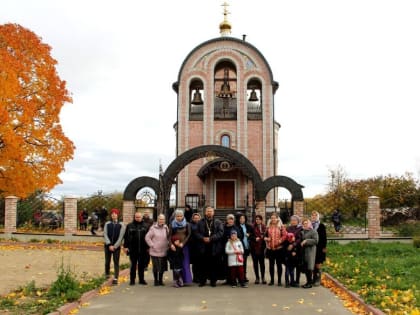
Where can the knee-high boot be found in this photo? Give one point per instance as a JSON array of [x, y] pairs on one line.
[[308, 283], [316, 280], [156, 278], [161, 278]]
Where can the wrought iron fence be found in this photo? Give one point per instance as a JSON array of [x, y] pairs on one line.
[[40, 211], [98, 209], [353, 218]]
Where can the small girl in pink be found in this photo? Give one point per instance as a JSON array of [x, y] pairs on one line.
[[235, 250]]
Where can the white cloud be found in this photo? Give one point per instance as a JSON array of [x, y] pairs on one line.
[[348, 74]]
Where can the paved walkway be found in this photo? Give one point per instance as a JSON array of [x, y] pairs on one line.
[[257, 299]]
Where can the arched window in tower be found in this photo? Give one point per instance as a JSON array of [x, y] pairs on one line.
[[225, 141], [225, 88], [196, 99], [254, 99]]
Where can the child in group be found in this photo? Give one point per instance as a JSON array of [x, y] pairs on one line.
[[176, 258], [235, 250], [291, 260]]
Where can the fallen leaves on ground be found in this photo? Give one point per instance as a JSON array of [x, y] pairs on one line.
[[50, 244], [104, 290], [348, 301], [122, 279]]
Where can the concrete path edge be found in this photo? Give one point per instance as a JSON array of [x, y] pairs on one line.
[[67, 308], [368, 308]]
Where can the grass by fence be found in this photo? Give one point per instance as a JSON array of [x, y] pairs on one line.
[[384, 275]]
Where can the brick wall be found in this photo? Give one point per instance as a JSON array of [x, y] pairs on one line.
[[128, 211], [70, 216], [10, 211], [374, 217]]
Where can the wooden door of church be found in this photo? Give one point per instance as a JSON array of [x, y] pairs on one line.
[[225, 194]]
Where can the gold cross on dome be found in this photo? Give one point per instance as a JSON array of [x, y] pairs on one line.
[[225, 10]]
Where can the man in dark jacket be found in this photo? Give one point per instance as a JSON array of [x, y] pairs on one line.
[[113, 235], [136, 247], [209, 235]]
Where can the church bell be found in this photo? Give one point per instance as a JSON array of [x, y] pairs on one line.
[[197, 100], [253, 97]]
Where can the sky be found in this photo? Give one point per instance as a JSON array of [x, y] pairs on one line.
[[349, 75]]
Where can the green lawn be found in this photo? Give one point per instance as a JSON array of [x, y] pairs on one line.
[[386, 275]]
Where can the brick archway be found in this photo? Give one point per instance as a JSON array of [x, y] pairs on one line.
[[204, 151], [138, 183], [293, 187]]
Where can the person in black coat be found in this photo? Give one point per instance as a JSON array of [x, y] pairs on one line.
[[209, 235], [321, 248], [136, 247], [188, 212], [193, 247], [247, 236]]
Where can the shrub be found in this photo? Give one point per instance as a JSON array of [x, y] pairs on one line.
[[416, 242], [66, 285], [409, 229]]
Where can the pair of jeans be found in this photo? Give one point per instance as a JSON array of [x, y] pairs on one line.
[[116, 259], [258, 261], [275, 257]]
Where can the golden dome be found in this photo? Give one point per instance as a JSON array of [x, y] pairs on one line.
[[225, 27]]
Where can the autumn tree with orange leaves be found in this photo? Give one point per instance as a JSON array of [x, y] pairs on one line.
[[33, 147]]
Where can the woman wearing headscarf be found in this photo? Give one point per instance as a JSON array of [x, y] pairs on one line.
[[182, 229], [193, 246], [275, 239], [308, 244], [321, 247]]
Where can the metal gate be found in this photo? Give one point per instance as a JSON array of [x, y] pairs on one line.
[[40, 212]]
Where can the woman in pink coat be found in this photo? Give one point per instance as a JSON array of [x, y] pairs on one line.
[[157, 239]]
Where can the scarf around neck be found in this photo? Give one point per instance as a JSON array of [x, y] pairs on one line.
[[315, 225], [179, 225], [308, 227]]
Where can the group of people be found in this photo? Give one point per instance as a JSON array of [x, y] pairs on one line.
[[97, 219], [201, 249]]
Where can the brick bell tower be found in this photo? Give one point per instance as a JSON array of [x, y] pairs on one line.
[[225, 96]]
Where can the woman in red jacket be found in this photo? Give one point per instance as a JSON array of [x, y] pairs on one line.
[[275, 240]]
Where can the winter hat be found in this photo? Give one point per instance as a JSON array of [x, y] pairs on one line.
[[233, 232], [115, 211]]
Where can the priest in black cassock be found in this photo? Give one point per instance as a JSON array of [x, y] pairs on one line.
[[209, 235]]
